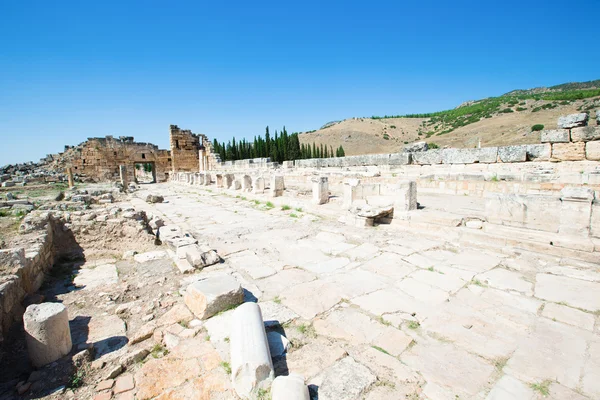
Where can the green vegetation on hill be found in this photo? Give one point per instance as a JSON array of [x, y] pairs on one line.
[[443, 122]]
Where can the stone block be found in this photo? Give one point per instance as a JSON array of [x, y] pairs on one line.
[[207, 179], [289, 387], [575, 211], [251, 365], [509, 154], [228, 181], [198, 257], [592, 151], [258, 185], [416, 147], [428, 157], [486, 155], [320, 190], [555, 136], [350, 192], [246, 183], [47, 332], [585, 133], [406, 197], [459, 156], [236, 185], [538, 152], [277, 186], [210, 296], [595, 219], [577, 193], [573, 120], [568, 151], [393, 159]]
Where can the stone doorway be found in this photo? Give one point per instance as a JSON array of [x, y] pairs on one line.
[[144, 172]]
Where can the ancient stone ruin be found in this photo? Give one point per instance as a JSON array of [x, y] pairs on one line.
[[425, 274]]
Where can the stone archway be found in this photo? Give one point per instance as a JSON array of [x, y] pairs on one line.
[[144, 171]]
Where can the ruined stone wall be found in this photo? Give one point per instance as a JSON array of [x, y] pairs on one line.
[[191, 152], [98, 159]]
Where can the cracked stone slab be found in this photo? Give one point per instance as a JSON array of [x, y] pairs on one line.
[[311, 298], [574, 292], [506, 280], [345, 380]]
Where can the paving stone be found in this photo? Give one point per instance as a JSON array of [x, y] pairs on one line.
[[474, 261], [422, 291], [456, 370], [102, 275], [275, 314], [388, 265], [150, 256], [345, 380], [391, 301], [250, 263], [506, 280], [276, 284], [569, 316], [124, 383], [565, 346], [210, 296], [591, 372], [574, 292], [313, 357], [158, 375], [302, 299], [439, 279], [510, 388], [365, 251], [105, 385], [326, 267], [103, 396], [356, 282]]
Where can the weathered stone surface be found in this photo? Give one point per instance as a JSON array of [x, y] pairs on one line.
[[158, 375], [289, 387], [510, 388], [405, 198], [303, 301], [459, 156], [569, 316], [574, 292], [508, 154], [577, 193], [47, 332], [210, 296], [149, 256], [506, 280], [572, 120], [199, 258], [320, 190], [538, 152], [416, 147], [432, 156], [277, 186], [592, 151], [152, 198], [345, 380], [585, 134], [555, 136], [251, 366], [568, 151], [102, 275]]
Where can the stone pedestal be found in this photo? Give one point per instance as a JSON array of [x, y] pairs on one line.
[[207, 179], [289, 387], [277, 186], [70, 177], [251, 365], [123, 176], [320, 190], [350, 192], [236, 185], [258, 185], [219, 180], [47, 332], [229, 178], [406, 197], [246, 183]]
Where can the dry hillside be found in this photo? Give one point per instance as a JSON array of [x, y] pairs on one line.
[[499, 127]]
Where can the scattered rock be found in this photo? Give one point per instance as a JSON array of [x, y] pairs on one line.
[[210, 296], [152, 198]]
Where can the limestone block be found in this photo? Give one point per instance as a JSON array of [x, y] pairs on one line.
[[236, 185], [219, 180], [577, 193], [289, 387], [197, 257], [459, 156], [207, 179], [595, 220], [538, 152], [568, 151], [229, 178], [486, 155], [47, 332], [406, 198], [258, 185], [585, 133], [123, 176], [592, 151], [555, 136], [393, 159], [251, 365], [350, 192], [210, 296], [573, 120], [575, 211], [320, 190], [246, 183], [427, 157], [277, 186], [416, 147], [510, 154]]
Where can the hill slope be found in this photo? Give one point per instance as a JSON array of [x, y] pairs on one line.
[[496, 121]]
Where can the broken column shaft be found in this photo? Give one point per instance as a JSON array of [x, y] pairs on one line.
[[47, 332]]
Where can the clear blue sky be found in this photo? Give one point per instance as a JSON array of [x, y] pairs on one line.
[[70, 70]]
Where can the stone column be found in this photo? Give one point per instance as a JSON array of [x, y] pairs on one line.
[[575, 211], [289, 387], [219, 180], [70, 177], [246, 183], [277, 186], [201, 166], [258, 185], [251, 365], [123, 176], [229, 178], [47, 332], [350, 192], [207, 179], [236, 184], [406, 198], [320, 190]]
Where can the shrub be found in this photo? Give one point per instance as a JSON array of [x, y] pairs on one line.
[[386, 136], [537, 127], [507, 110], [433, 145], [521, 109]]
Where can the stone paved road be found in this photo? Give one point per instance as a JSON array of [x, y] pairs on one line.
[[384, 313]]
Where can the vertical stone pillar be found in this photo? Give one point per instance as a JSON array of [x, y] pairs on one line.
[[123, 176], [320, 190], [258, 185], [251, 365], [575, 211], [289, 387], [406, 198], [70, 177], [207, 179], [229, 178], [350, 192], [277, 186], [202, 167], [219, 180], [47, 332], [246, 183]]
